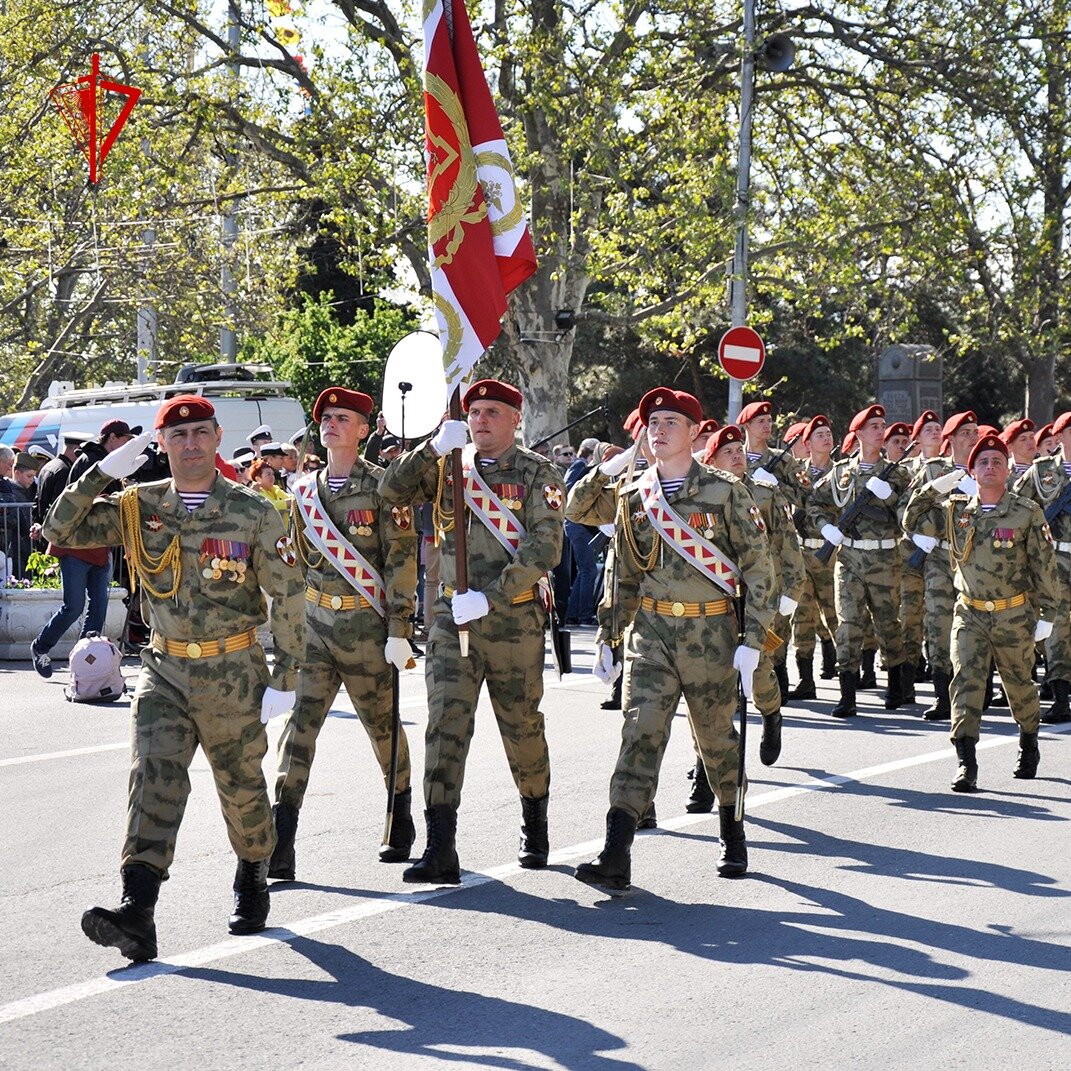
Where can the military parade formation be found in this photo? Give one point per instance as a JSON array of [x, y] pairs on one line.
[[942, 547]]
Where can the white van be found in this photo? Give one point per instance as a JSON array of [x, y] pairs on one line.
[[242, 401]]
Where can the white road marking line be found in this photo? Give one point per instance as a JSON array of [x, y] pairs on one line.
[[125, 745], [58, 998]]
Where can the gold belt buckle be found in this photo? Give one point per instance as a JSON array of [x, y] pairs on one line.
[[990, 605], [193, 650], [677, 609], [336, 602]]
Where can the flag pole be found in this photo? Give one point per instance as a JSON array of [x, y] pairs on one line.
[[461, 551]]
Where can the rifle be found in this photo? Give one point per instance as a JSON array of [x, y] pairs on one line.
[[850, 514], [1060, 504], [781, 456]]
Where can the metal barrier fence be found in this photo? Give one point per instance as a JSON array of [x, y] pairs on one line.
[[15, 543]]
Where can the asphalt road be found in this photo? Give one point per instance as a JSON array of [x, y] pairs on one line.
[[885, 923]]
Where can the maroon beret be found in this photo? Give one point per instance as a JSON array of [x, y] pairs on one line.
[[118, 427], [1017, 428], [956, 421], [1047, 430], [869, 413], [492, 390], [899, 428], [633, 424], [183, 409], [985, 444], [708, 427], [1061, 423], [752, 410], [722, 437], [987, 429], [927, 416], [848, 445], [341, 398], [816, 422], [666, 399]]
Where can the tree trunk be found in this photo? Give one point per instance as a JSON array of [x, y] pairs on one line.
[[1041, 388]]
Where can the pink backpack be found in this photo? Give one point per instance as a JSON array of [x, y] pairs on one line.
[[95, 673]]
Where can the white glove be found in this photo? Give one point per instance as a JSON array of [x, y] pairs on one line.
[[606, 669], [607, 530], [451, 436], [925, 543], [274, 702], [947, 483], [398, 653], [127, 458], [617, 464], [879, 488], [832, 534], [1042, 631], [761, 476], [968, 485], [468, 606], [787, 607], [746, 660]]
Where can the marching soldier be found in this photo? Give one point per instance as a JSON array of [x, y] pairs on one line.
[[1047, 442], [1047, 482], [926, 431], [1018, 437], [359, 559], [691, 536], [515, 501], [756, 422], [206, 551], [1001, 550], [868, 560]]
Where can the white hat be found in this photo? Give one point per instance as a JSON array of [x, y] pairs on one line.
[[299, 435], [263, 432]]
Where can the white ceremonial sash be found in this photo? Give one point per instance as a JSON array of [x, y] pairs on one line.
[[697, 551], [327, 538], [486, 505]]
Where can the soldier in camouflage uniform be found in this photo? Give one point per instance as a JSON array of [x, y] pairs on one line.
[[503, 607], [1046, 482], [868, 560], [350, 639], [816, 617], [683, 626], [1005, 566], [205, 551], [1018, 437]]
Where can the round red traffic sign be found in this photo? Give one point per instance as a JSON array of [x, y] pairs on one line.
[[741, 352]]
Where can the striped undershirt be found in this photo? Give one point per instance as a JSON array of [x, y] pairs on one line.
[[992, 505], [671, 487], [752, 458], [193, 499], [336, 483], [1067, 467]]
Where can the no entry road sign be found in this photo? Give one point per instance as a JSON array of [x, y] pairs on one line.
[[741, 352]]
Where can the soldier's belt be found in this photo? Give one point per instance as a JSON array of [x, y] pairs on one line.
[[686, 609], [1064, 548], [989, 605], [869, 544], [205, 648], [336, 602], [814, 544], [520, 600]]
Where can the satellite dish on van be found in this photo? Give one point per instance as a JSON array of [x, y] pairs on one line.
[[414, 386]]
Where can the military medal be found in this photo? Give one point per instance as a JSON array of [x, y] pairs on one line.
[[1003, 537], [154, 524], [223, 557], [360, 521], [509, 493]]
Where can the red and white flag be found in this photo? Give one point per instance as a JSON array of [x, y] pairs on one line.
[[479, 246]]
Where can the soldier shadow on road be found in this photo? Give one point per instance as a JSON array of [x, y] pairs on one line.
[[443, 1023]]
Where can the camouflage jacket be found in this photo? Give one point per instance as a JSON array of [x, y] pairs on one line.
[[812, 475], [924, 472], [384, 535], [784, 543], [792, 479], [234, 523], [715, 502], [1043, 483], [998, 554], [536, 495], [840, 486]]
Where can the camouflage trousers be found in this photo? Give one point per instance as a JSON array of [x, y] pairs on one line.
[[507, 651], [665, 658], [816, 616], [1006, 637], [341, 648], [1058, 645], [766, 692], [940, 604], [180, 703], [912, 607], [868, 585]]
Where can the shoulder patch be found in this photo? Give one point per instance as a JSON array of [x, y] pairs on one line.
[[403, 517], [553, 496], [284, 546], [756, 517]]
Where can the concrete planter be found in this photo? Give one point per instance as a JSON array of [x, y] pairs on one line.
[[23, 614]]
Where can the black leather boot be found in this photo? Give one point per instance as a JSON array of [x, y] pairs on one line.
[[922, 670], [535, 840], [614, 702], [966, 779], [829, 660], [399, 845], [867, 677], [770, 745], [732, 862], [942, 705], [907, 682], [129, 927], [612, 869], [649, 819], [251, 901], [438, 865], [894, 693], [846, 707], [805, 668], [1060, 711], [1026, 765], [994, 691], [701, 799], [281, 866], [781, 673]]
